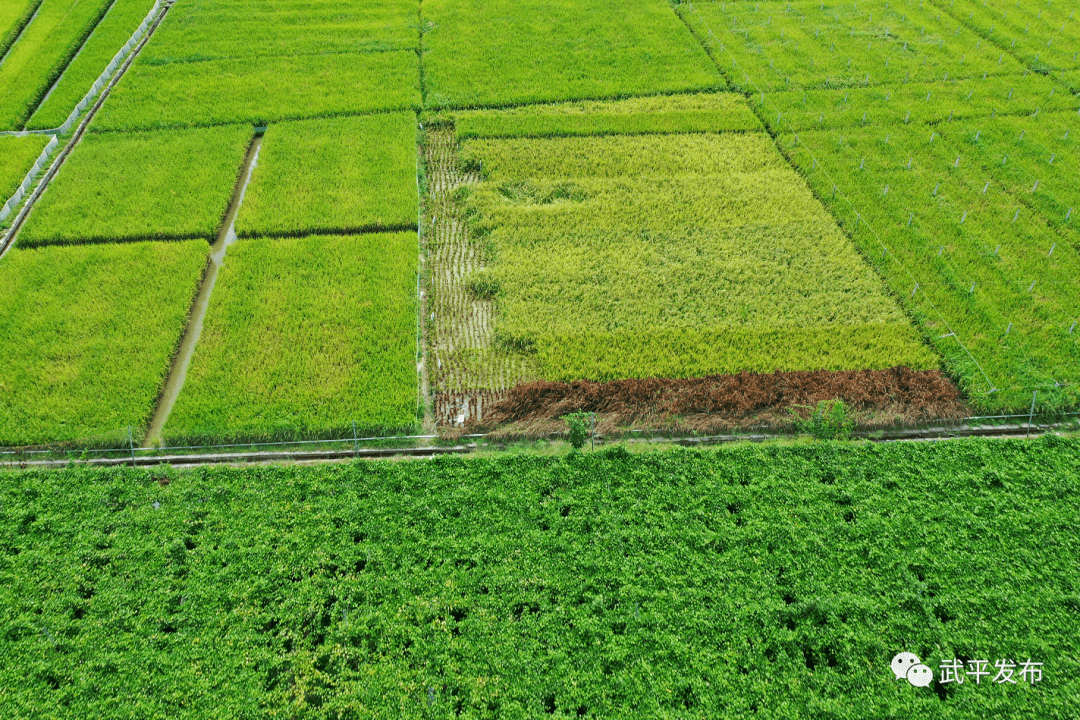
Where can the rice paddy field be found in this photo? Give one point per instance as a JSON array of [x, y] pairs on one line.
[[600, 192], [468, 226]]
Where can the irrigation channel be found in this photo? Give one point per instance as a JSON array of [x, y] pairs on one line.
[[226, 237]]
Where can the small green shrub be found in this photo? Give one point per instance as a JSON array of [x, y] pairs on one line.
[[580, 426], [828, 421]]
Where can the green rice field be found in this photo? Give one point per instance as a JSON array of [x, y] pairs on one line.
[[87, 335], [141, 186], [43, 50], [17, 157], [108, 37], [338, 175], [601, 191], [303, 337]]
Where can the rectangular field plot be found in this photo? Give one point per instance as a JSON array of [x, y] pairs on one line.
[[87, 336], [336, 175], [261, 90], [966, 245], [303, 337], [885, 105], [764, 581], [778, 45], [41, 53], [673, 256], [17, 156], [108, 37], [509, 52], [139, 186], [211, 29], [681, 113]]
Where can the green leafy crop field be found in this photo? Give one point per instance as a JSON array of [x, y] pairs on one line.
[[140, 186], [261, 90], [213, 29], [336, 175], [482, 53], [673, 256], [108, 37], [87, 335], [764, 581], [304, 336]]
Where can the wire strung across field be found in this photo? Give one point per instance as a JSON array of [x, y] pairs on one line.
[[993, 387]]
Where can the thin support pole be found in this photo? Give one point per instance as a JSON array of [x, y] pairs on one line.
[[1031, 413]]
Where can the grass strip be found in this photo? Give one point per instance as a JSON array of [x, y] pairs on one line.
[[108, 37], [334, 175], [759, 580], [87, 336], [303, 337], [261, 90], [137, 186]]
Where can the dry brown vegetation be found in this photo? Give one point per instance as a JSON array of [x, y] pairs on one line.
[[876, 399]]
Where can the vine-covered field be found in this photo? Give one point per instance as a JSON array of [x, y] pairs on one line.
[[774, 582]]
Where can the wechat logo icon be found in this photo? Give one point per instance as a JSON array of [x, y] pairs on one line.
[[907, 665]]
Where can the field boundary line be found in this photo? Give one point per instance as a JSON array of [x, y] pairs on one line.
[[469, 443], [28, 181], [859, 216], [337, 232], [8, 239]]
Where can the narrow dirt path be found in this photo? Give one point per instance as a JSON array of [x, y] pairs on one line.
[[174, 383]]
